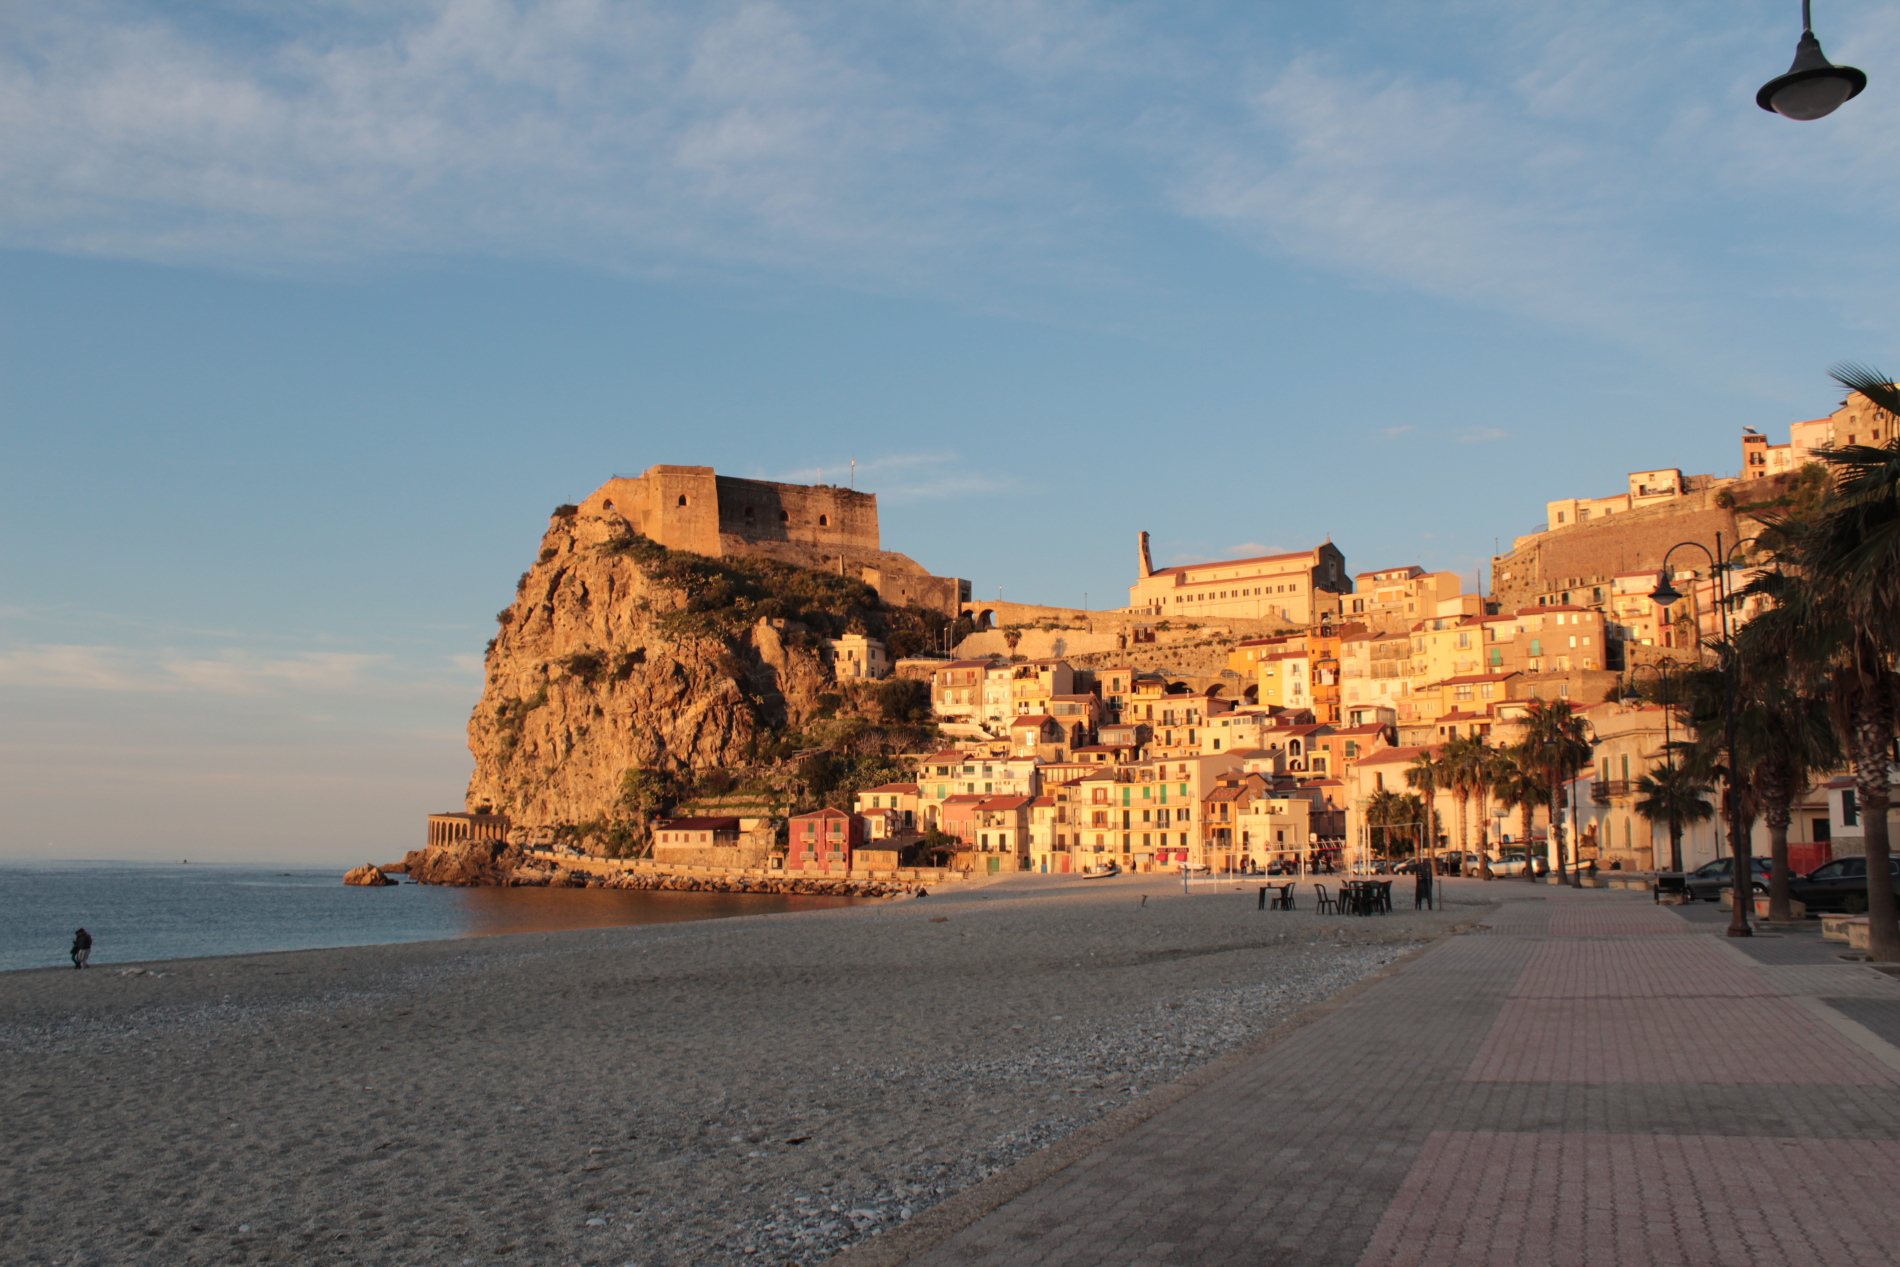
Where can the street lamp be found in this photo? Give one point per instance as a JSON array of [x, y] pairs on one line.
[[1813, 88], [1631, 698], [1738, 845]]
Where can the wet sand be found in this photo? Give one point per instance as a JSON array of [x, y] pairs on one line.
[[762, 1089]]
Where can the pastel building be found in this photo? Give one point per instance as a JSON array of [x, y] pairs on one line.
[[1300, 587]]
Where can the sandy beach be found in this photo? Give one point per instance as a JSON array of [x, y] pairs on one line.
[[766, 1089]]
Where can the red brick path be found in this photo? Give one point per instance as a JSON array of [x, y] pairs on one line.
[[1597, 1080]]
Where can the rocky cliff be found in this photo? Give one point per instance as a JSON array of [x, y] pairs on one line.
[[625, 676]]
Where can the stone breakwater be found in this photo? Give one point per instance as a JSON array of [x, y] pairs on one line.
[[558, 878]]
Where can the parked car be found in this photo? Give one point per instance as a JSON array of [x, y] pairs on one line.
[[1707, 881], [1512, 863], [1840, 885]]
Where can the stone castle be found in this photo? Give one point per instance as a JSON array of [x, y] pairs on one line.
[[811, 525]]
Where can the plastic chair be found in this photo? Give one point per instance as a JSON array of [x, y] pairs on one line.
[[1285, 901], [1327, 905]]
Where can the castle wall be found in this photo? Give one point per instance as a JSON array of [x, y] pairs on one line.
[[691, 508], [676, 506], [820, 516], [1580, 560]]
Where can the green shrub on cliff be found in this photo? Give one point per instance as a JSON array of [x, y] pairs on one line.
[[724, 597]]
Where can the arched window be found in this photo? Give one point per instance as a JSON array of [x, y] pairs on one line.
[[824, 521], [785, 516], [748, 514], [682, 499]]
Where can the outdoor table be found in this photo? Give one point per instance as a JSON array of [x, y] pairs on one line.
[[1363, 897], [1284, 902]]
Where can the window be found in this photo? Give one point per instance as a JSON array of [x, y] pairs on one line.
[[682, 499], [1537, 646], [824, 521], [1850, 808]]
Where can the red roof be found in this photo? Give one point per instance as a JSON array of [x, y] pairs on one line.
[[1004, 802], [1396, 756], [826, 812], [1221, 563], [1035, 720]]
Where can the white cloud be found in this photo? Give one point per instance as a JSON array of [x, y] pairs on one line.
[[1562, 163], [1398, 431], [85, 668], [1481, 435], [93, 668], [628, 136], [901, 477]]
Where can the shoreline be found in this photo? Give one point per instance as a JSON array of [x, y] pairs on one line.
[[250, 911], [698, 1090]]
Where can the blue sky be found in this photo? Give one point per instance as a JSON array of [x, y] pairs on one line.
[[309, 314]]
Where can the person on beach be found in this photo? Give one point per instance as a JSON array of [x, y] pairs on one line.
[[82, 948]]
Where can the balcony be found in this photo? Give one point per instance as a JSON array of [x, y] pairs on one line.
[[1602, 792]]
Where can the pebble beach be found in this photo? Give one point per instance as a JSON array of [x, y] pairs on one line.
[[767, 1089]]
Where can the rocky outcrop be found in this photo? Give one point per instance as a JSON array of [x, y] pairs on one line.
[[465, 863], [367, 876], [624, 674]]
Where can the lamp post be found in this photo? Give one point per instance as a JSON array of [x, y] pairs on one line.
[[1813, 88], [1738, 844], [1630, 699]]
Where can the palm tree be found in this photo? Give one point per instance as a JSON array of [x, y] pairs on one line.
[[1783, 737], [1389, 811], [1838, 626], [1673, 794], [1519, 786], [1428, 776], [1560, 749], [1464, 759]]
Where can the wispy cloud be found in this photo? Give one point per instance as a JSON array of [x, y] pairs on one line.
[[1481, 435], [1398, 431], [902, 477], [630, 136], [1551, 162], [235, 673]]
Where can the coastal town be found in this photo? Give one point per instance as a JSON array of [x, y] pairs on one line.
[[1279, 714]]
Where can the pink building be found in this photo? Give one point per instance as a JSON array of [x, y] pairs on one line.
[[823, 840]]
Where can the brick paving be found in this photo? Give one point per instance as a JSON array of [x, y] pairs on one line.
[[1595, 1080]]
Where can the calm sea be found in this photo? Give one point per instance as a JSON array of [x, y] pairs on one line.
[[140, 911]]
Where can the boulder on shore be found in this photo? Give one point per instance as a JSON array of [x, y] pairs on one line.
[[367, 875], [464, 863]]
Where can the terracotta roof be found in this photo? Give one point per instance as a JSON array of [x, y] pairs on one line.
[[826, 812], [1036, 720], [1222, 563], [1396, 756], [1004, 802], [963, 798]]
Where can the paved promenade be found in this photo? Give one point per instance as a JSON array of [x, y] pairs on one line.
[[1590, 1079]]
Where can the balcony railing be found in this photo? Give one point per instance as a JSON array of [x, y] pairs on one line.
[[1602, 791]]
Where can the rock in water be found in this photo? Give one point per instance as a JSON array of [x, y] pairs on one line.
[[367, 875]]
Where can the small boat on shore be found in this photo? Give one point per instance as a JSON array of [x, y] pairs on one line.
[[1103, 872]]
